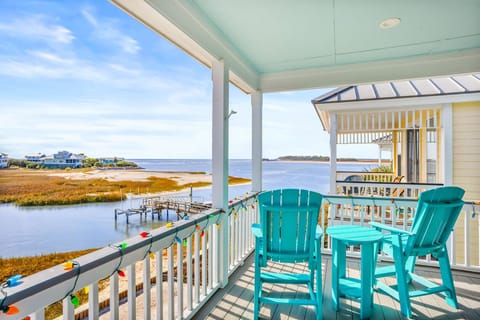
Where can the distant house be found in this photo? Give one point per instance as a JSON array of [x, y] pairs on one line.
[[63, 159], [112, 160], [3, 160], [35, 157]]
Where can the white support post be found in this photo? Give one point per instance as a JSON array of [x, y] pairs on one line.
[[447, 158], [333, 153], [447, 149], [220, 161], [257, 136]]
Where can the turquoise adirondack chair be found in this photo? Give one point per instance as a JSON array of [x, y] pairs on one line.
[[436, 214], [288, 233]]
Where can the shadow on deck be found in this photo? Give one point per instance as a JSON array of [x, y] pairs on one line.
[[235, 301]]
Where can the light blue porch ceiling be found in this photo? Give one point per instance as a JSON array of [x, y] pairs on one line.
[[274, 45]]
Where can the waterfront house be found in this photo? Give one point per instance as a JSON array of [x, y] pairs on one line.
[[63, 159], [37, 157], [263, 47], [3, 160]]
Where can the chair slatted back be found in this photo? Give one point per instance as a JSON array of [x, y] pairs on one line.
[[436, 214], [289, 219]]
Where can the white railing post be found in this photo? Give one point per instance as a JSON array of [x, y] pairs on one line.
[[132, 292], [68, 309], [93, 300], [159, 284], [114, 302], [146, 288]]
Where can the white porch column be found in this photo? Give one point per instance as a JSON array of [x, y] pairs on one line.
[[447, 148], [220, 163], [333, 153], [257, 136]]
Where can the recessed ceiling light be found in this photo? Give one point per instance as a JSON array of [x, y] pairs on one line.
[[389, 23]]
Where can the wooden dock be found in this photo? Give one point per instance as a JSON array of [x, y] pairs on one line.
[[181, 206]]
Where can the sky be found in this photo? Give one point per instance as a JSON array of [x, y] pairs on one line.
[[83, 76]]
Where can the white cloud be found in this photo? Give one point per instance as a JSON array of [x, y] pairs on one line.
[[50, 57], [36, 27], [106, 29]]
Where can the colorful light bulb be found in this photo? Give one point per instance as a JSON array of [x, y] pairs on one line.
[[169, 224], [144, 234], [121, 273], [151, 255], [197, 227], [186, 218], [74, 300], [123, 245], [68, 265], [10, 310], [13, 281], [202, 234]]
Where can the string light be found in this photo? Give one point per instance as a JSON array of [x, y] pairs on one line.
[[74, 300], [186, 218], [169, 224], [144, 234], [68, 266], [121, 273], [11, 282], [9, 310]]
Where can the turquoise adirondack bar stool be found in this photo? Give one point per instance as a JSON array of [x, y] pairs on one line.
[[436, 214], [288, 233]]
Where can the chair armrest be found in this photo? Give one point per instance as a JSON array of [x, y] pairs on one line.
[[381, 226], [257, 230]]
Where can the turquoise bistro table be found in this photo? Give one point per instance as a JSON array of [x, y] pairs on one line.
[[368, 239]]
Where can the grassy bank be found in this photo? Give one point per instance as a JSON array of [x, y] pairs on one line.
[[26, 187], [30, 265]]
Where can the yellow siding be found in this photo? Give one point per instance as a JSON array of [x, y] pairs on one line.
[[466, 168]]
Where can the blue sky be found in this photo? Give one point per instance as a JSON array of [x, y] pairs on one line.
[[85, 77]]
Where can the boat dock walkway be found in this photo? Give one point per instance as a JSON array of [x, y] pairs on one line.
[[181, 206]]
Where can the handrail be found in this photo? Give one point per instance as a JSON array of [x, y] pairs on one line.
[[399, 213], [37, 291]]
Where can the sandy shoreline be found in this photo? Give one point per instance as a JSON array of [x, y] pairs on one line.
[[135, 175]]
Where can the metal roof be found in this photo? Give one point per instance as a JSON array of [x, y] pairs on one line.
[[458, 84]]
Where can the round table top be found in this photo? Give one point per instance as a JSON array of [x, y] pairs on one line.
[[354, 234]]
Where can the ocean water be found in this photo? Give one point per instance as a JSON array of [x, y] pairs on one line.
[[38, 230]]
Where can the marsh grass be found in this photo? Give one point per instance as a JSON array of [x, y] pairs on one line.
[[29, 265], [25, 187]]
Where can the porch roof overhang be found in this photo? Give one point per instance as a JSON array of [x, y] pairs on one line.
[[405, 94], [273, 46]]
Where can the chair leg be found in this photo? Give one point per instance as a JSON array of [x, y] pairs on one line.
[[402, 282], [319, 292], [257, 288], [446, 272]]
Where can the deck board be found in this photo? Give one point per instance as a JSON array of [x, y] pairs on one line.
[[235, 301]]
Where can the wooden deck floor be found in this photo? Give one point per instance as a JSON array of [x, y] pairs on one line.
[[236, 300]]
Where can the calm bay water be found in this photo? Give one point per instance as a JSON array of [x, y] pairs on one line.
[[37, 230]]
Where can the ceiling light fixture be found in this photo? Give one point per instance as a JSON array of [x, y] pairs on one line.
[[389, 23]]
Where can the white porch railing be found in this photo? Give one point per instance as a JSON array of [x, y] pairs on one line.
[[463, 246], [186, 251], [383, 189], [367, 176], [187, 254]]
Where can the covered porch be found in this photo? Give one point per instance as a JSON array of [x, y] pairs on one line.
[[263, 47]]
